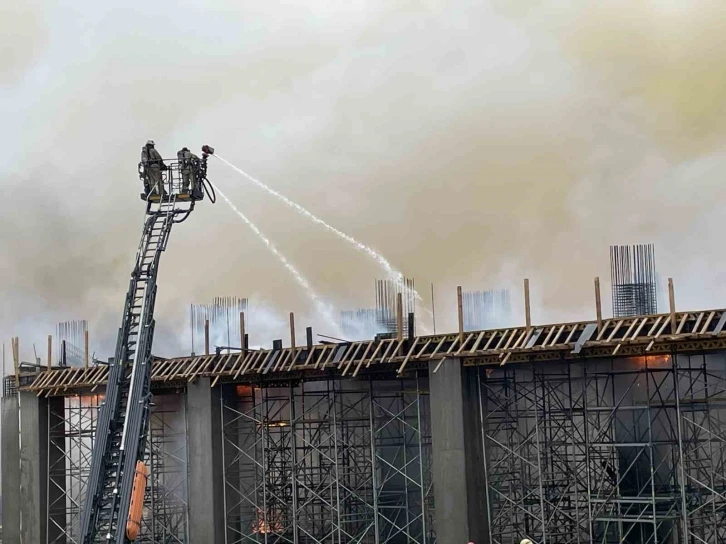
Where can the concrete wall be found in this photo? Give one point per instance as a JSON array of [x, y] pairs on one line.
[[33, 463], [10, 451]]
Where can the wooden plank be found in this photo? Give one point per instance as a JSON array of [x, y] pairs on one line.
[[502, 339], [672, 304], [480, 338], [662, 328], [698, 322], [615, 330], [391, 343], [573, 330], [352, 357], [438, 347], [630, 329], [422, 350], [511, 338], [311, 352], [601, 332], [504, 362], [373, 356], [708, 322], [322, 355], [349, 352], [552, 329], [460, 313], [491, 339], [655, 325], [452, 346], [598, 304], [362, 359], [532, 339], [640, 328], [527, 309], [252, 362], [408, 356], [682, 323]]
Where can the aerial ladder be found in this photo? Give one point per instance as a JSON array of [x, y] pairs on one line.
[[120, 441]]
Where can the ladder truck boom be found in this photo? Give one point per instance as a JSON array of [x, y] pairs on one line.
[[120, 440]]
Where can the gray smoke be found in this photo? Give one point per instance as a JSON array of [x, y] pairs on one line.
[[472, 143]]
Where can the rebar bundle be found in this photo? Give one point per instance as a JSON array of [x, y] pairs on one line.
[[360, 324], [70, 342], [634, 282], [386, 293], [223, 315], [486, 309]]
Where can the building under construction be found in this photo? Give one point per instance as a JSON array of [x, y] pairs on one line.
[[605, 430], [608, 430]]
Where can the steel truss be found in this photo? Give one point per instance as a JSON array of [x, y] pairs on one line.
[[330, 461], [70, 445], [614, 451]]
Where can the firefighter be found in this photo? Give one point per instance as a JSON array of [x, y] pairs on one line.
[[153, 165], [188, 163]]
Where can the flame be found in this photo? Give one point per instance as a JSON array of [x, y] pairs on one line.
[[651, 360], [263, 527], [243, 390]]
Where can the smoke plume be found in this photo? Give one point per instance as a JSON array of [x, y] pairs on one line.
[[472, 143]]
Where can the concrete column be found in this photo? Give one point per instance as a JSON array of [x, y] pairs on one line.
[[10, 452], [459, 479], [33, 467], [206, 477]]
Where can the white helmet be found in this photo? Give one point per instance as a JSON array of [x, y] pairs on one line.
[[526, 541], [150, 142]]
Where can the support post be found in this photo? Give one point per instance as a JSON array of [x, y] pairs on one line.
[[460, 313], [399, 316], [598, 304], [433, 308], [206, 474], [309, 337], [50, 351], [242, 332], [16, 359], [10, 462], [672, 304], [206, 337], [411, 325], [292, 338], [85, 350], [527, 310], [459, 482]]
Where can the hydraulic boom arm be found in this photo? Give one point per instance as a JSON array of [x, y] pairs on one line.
[[120, 439]]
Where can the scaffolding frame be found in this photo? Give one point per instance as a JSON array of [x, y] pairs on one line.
[[71, 433], [333, 461], [607, 451]]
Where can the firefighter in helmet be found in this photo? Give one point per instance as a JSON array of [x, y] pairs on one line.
[[188, 163], [153, 165]]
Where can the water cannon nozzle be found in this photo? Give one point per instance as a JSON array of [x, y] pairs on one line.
[[208, 150]]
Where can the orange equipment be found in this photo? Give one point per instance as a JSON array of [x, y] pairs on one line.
[[133, 525]]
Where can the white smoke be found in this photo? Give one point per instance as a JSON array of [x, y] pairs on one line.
[[472, 143]]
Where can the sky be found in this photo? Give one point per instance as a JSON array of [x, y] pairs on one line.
[[471, 143]]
